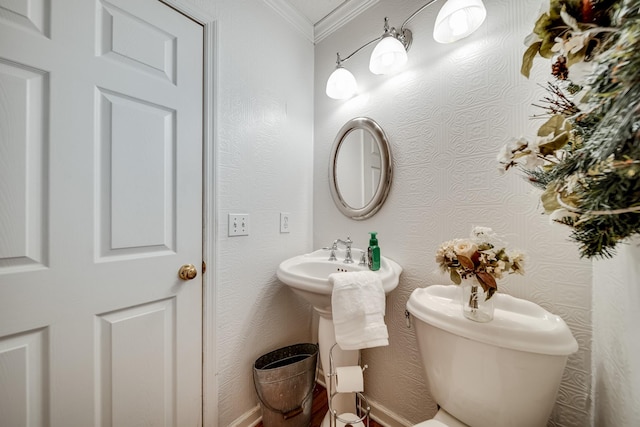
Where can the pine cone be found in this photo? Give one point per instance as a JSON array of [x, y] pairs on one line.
[[559, 69]]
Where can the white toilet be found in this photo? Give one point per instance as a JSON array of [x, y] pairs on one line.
[[503, 373]]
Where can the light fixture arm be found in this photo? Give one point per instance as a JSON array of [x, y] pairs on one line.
[[341, 60], [413, 15]]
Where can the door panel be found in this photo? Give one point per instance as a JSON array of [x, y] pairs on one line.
[[139, 44], [31, 15], [100, 205], [23, 168], [136, 219], [129, 370], [23, 364]]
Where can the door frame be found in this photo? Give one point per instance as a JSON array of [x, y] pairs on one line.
[[209, 211]]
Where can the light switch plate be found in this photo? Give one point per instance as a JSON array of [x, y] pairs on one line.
[[238, 225]]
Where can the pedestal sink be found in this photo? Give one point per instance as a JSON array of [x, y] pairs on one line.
[[308, 276]]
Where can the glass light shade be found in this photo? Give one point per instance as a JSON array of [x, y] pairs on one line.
[[457, 19], [388, 56], [341, 84]]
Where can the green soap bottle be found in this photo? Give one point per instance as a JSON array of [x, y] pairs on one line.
[[374, 252]]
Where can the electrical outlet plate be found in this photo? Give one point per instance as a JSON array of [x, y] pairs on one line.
[[238, 225], [285, 222]]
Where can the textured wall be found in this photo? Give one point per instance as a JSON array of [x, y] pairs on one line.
[[616, 348], [264, 153], [263, 158], [446, 116]]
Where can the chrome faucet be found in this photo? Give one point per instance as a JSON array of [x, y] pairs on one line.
[[334, 247], [347, 243]]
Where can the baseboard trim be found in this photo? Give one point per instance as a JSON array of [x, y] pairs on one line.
[[251, 418], [379, 413], [382, 415]]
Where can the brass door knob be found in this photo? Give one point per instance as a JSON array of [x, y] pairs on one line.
[[187, 272]]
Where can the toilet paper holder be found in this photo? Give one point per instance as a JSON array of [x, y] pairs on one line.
[[363, 409]]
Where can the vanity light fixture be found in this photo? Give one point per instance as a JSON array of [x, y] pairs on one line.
[[390, 54], [456, 20], [341, 83]]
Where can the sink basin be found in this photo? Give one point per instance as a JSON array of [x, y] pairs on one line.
[[308, 275]]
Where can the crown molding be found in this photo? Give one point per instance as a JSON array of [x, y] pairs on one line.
[[293, 17], [339, 17], [327, 25]]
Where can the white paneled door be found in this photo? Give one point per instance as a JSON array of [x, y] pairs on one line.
[[100, 207]]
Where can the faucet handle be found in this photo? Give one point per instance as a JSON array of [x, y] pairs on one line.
[[332, 255], [363, 259], [333, 246]]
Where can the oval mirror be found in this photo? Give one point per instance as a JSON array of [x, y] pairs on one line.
[[360, 168]]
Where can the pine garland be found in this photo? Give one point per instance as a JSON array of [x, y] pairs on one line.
[[587, 155]]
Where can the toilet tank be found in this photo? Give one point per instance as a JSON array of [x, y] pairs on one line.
[[503, 373]]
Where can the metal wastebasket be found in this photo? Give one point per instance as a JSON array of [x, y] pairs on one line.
[[284, 380]]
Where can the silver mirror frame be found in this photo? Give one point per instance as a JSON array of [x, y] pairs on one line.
[[386, 169]]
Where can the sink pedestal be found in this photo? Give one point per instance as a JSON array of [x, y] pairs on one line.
[[344, 402]]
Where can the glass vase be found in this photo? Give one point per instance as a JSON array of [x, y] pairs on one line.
[[475, 305]]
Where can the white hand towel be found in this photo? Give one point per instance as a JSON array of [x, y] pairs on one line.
[[358, 306]]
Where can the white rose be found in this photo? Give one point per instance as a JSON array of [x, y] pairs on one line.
[[464, 248]]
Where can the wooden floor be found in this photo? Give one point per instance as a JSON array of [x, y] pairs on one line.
[[320, 408]]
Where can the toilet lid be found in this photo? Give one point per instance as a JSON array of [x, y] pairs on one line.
[[430, 423]]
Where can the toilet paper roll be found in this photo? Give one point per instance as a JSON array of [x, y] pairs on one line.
[[349, 379]]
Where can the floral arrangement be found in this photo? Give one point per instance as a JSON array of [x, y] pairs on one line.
[[586, 155], [482, 256]]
